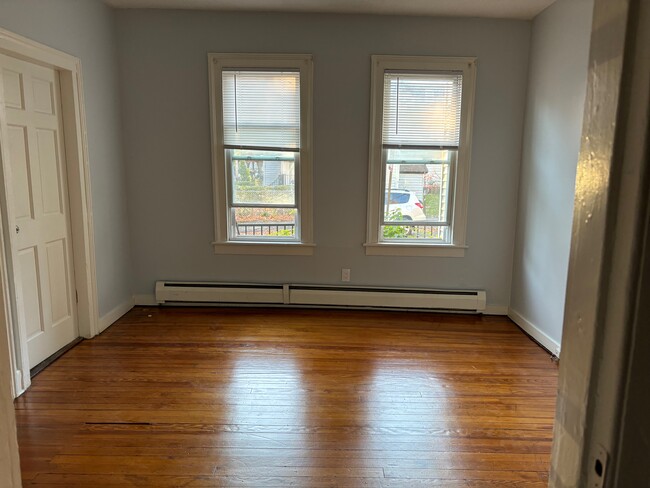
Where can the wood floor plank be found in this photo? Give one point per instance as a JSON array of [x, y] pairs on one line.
[[293, 398]]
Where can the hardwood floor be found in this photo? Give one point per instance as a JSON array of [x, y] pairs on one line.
[[293, 398]]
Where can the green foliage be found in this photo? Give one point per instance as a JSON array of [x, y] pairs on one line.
[[395, 215], [249, 173], [282, 233], [432, 205], [395, 231], [245, 175]]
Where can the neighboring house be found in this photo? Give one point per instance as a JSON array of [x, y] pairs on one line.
[[411, 176], [277, 173]]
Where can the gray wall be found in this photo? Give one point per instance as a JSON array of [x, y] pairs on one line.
[[86, 29], [164, 79], [556, 94]]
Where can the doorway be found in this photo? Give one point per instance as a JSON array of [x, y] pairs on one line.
[[46, 204], [39, 187]]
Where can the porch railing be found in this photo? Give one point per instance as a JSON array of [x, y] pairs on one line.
[[286, 229]]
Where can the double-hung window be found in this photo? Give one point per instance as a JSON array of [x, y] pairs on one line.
[[261, 138], [421, 116]]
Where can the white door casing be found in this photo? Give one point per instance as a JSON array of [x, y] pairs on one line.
[[44, 261], [70, 79]]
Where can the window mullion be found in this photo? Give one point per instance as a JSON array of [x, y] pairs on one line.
[[229, 182], [297, 192], [382, 192], [451, 189], [433, 147]]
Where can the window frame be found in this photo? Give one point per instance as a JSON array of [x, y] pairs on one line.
[[222, 180], [459, 193]]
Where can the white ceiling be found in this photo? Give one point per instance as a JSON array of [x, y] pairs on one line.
[[512, 9]]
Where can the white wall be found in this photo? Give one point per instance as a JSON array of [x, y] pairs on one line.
[[164, 79], [556, 94], [86, 29]]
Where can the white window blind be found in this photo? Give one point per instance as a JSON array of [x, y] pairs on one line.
[[422, 110], [261, 109]]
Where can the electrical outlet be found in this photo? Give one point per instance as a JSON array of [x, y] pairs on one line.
[[345, 274]]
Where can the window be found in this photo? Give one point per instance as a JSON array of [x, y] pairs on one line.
[[420, 132], [261, 138]]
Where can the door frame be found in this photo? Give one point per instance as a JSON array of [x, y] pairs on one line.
[[81, 217], [605, 275]]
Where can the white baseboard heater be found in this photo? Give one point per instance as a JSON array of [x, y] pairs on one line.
[[177, 292]]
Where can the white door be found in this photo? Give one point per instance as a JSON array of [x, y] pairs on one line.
[[41, 208]]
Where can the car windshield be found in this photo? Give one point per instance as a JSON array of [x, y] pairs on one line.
[[398, 197]]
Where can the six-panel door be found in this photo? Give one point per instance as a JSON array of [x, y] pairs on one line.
[[41, 208]]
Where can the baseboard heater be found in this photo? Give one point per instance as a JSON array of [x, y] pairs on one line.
[[176, 292]]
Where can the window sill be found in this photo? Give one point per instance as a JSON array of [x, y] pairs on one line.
[[398, 249], [264, 248]]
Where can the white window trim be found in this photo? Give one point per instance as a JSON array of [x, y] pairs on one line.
[[222, 245], [458, 245]]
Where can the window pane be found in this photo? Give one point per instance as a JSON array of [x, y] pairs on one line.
[[271, 223], [263, 178], [417, 185]]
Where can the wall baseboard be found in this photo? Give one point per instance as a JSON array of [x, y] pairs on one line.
[[18, 388], [496, 310], [114, 315], [300, 295], [535, 332], [149, 300], [145, 300]]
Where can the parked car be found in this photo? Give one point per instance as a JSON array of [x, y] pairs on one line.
[[406, 202]]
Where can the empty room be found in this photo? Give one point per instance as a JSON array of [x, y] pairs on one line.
[[314, 243]]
